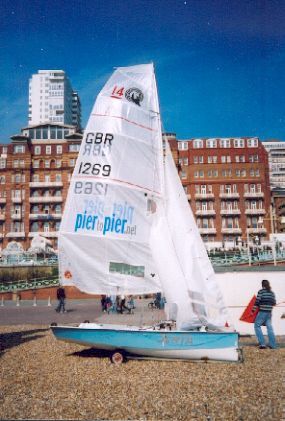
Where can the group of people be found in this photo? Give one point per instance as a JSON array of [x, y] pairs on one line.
[[118, 304]]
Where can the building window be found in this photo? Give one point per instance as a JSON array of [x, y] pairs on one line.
[[16, 163], [36, 164], [58, 163], [211, 143], [72, 162], [58, 177], [37, 150], [253, 158], [59, 149], [19, 149], [252, 143], [57, 209], [47, 163], [2, 179], [48, 150], [239, 143], [2, 163], [182, 146], [225, 143], [75, 148], [34, 227], [198, 143], [183, 175]]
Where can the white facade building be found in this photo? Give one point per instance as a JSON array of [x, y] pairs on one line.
[[52, 99], [276, 160]]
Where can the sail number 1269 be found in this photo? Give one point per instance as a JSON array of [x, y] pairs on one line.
[[95, 169]]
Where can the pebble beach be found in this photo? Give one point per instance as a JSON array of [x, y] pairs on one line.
[[42, 378]]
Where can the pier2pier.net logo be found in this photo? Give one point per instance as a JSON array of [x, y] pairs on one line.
[[134, 95]]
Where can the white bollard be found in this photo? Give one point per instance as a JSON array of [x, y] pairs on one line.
[[35, 301], [2, 301], [49, 302], [17, 301]]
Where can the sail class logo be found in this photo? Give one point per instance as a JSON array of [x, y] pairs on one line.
[[134, 95]]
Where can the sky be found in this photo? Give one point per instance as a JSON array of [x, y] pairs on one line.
[[220, 64]]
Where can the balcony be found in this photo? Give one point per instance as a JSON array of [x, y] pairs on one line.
[[49, 234], [231, 195], [231, 231], [16, 216], [2, 199], [207, 231], [46, 199], [15, 234], [255, 211], [46, 184], [205, 212], [45, 216], [17, 200], [257, 230], [204, 196], [254, 194], [230, 212]]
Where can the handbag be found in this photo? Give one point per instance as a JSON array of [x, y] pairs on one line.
[[248, 315]]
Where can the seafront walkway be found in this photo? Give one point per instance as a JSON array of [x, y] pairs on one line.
[[43, 312]]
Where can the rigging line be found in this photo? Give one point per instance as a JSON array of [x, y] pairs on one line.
[[124, 119]]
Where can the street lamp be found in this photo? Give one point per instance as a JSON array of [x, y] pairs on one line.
[[248, 248]]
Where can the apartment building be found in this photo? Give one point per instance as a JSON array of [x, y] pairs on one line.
[[52, 99], [276, 160], [227, 184], [35, 171]]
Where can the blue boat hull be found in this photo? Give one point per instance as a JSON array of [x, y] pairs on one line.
[[171, 344]]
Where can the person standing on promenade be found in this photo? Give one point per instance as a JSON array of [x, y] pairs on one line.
[[60, 293], [265, 301]]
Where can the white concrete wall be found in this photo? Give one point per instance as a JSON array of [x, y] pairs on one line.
[[239, 287]]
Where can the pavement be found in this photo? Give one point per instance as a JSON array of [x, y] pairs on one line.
[[77, 311]]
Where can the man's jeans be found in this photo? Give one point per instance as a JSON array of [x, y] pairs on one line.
[[264, 317]]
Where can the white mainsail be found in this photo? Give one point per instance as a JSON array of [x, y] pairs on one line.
[[104, 234], [127, 227]]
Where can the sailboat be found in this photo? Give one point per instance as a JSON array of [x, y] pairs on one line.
[[127, 229]]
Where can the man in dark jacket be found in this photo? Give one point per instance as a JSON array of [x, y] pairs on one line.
[[61, 300], [265, 301]]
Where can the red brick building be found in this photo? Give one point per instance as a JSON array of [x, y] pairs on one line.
[[35, 170], [227, 184]]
